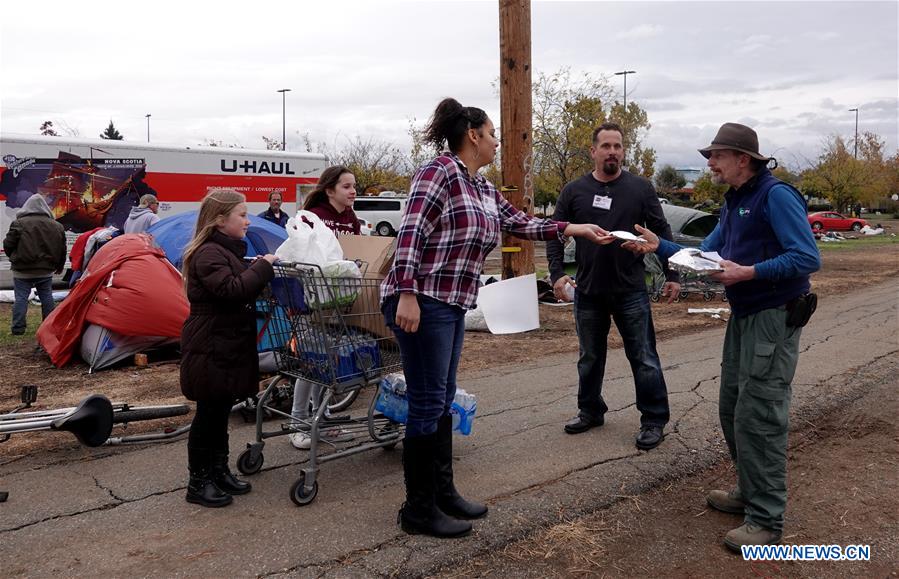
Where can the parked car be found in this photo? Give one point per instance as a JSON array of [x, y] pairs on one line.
[[364, 227], [384, 213], [831, 221]]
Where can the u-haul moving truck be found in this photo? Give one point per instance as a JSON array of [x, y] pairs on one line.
[[91, 183]]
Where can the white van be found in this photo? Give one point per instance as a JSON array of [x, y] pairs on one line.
[[384, 213]]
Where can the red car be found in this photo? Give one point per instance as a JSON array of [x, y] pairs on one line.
[[830, 221]]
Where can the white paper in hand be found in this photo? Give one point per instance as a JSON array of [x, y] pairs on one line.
[[627, 236], [510, 306]]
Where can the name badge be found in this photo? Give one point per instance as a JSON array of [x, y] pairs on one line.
[[602, 202], [489, 205]]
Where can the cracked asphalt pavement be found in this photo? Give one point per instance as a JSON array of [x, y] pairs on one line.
[[118, 511]]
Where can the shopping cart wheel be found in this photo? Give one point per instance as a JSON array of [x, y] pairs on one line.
[[298, 493], [709, 296], [247, 463]]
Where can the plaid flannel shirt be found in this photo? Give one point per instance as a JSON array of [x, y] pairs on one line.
[[452, 221]]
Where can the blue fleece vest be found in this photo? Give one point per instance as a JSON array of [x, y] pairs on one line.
[[749, 239]]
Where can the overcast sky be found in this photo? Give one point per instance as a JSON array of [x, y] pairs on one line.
[[210, 70]]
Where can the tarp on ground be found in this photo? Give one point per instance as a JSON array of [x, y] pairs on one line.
[[175, 232], [129, 288]]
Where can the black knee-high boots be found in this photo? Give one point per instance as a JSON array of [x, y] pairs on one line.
[[448, 498], [433, 505]]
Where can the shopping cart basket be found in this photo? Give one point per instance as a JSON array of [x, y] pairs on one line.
[[329, 331]]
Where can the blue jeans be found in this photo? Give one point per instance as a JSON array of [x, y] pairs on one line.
[[430, 359], [22, 289], [633, 318]]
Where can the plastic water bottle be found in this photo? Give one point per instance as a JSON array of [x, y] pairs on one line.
[[569, 292], [391, 399], [463, 410]]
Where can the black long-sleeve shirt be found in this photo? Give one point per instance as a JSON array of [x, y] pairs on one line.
[[608, 268]]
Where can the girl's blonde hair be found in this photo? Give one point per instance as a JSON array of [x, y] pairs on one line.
[[217, 203]]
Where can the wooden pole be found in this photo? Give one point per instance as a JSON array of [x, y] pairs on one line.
[[515, 126]]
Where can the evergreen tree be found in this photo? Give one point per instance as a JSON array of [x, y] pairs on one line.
[[47, 129], [111, 133]]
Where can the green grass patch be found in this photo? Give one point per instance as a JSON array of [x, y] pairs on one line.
[[33, 320], [867, 241]]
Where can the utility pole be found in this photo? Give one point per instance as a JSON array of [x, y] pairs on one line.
[[625, 73], [856, 130], [284, 92], [515, 126], [148, 127]]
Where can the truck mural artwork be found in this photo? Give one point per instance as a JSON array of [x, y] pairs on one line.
[[92, 183], [82, 193]]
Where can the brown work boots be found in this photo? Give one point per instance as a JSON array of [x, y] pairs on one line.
[[750, 534], [726, 502], [747, 533]]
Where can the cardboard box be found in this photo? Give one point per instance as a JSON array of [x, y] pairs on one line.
[[378, 253]]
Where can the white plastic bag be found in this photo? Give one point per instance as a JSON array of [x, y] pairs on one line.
[[309, 240], [306, 243]]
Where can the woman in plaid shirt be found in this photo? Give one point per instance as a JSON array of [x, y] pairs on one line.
[[453, 219]]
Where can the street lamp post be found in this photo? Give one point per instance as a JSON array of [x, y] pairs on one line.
[[856, 130], [148, 127], [284, 92], [624, 73]]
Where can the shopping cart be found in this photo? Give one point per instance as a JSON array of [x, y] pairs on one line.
[[690, 283], [329, 331]]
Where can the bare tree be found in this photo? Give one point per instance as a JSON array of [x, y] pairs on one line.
[[377, 165]]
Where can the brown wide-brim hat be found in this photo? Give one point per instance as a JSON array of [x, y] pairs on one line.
[[735, 137]]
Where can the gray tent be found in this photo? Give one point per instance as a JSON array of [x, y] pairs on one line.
[[101, 347], [689, 226]]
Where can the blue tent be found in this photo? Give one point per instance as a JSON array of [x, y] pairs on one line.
[[175, 232]]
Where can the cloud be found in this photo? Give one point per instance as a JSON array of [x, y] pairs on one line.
[[753, 44], [641, 32]]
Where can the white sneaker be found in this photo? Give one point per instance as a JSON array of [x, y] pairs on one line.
[[300, 440], [303, 441], [335, 434]]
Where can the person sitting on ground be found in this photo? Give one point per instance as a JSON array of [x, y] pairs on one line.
[[274, 212], [143, 216], [36, 247], [332, 200]]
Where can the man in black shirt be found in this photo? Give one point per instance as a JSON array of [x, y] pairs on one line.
[[611, 284]]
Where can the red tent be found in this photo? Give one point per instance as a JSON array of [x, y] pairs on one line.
[[129, 287]]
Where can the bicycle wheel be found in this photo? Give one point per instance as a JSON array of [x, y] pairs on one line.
[[344, 402], [337, 404], [136, 413]]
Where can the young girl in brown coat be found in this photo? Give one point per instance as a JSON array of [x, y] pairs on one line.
[[219, 363]]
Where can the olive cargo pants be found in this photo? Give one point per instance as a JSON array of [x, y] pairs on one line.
[[757, 367]]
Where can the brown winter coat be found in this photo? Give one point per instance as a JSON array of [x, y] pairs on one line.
[[219, 361]]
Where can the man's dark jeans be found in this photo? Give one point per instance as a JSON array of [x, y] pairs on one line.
[[430, 359], [633, 318], [22, 290]]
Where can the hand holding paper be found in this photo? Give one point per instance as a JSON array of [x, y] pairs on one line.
[[733, 273], [648, 243], [589, 231]]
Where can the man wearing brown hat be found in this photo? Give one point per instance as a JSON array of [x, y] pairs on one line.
[[768, 254]]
